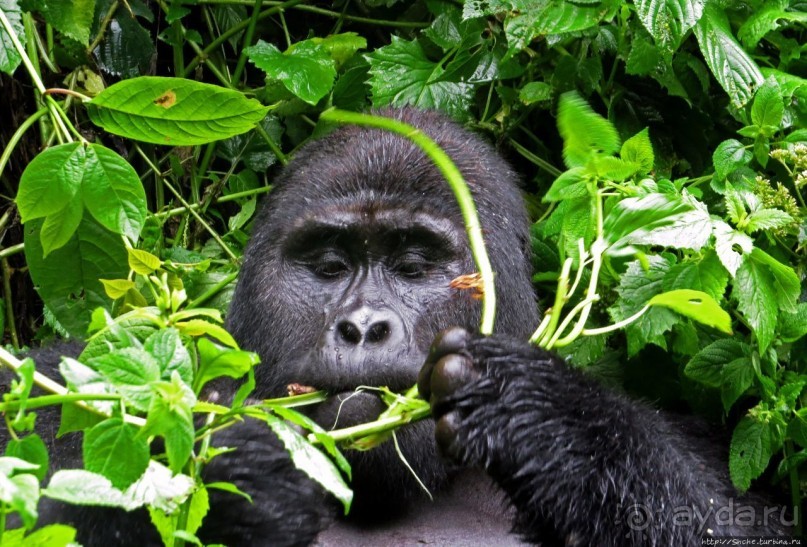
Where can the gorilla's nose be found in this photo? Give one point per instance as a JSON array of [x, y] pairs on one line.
[[369, 327]]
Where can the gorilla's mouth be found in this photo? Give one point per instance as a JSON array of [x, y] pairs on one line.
[[347, 409]]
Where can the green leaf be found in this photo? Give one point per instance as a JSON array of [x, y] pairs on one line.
[[9, 58], [117, 288], [112, 449], [641, 216], [73, 18], [215, 361], [401, 74], [729, 156], [143, 262], [32, 449], [733, 68], [696, 305], [311, 461], [170, 415], [306, 69], [636, 288], [340, 47], [706, 274], [668, 21], [786, 282], [754, 289], [67, 279], [51, 180], [768, 107], [639, 150], [570, 184], [21, 493], [707, 366], [167, 348], [535, 92], [173, 111], [764, 18], [585, 133], [797, 428], [200, 327], [750, 452], [731, 246], [54, 535], [131, 371], [766, 219], [158, 487], [794, 325], [737, 376]]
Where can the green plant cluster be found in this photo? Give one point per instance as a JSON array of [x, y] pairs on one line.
[[663, 145]]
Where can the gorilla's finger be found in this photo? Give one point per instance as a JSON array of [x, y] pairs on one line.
[[445, 433], [451, 373]]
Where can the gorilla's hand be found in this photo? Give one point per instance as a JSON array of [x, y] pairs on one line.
[[287, 508], [477, 386]]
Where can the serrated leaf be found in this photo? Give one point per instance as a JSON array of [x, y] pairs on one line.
[[340, 47], [768, 107], [707, 366], [730, 155], [786, 282], [112, 449], [306, 69], [401, 74], [794, 325], [765, 18], [170, 416], [32, 449], [707, 275], [750, 452], [131, 371], [754, 290], [570, 184], [73, 18], [311, 461], [9, 58], [67, 279], [667, 21], [53, 535], [737, 377], [639, 150], [143, 262], [733, 68], [766, 219], [173, 111], [215, 361], [585, 133], [167, 348], [158, 487], [696, 305], [731, 246]]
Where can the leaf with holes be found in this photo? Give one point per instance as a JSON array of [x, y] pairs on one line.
[[696, 305], [174, 111]]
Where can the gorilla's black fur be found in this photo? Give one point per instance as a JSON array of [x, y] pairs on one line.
[[346, 283]]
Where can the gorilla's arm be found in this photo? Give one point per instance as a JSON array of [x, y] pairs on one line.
[[579, 462]]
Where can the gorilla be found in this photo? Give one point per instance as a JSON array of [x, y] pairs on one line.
[[346, 283]]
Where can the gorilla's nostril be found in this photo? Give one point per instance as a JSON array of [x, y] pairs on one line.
[[378, 332], [349, 332]]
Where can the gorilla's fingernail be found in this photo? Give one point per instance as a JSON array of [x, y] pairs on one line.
[[445, 433], [450, 374], [452, 340]]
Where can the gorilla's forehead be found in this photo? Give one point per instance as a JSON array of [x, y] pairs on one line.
[[372, 221]]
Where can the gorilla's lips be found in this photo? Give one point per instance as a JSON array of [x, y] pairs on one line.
[[347, 409]]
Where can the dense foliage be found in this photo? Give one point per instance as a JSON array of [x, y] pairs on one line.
[[663, 147]]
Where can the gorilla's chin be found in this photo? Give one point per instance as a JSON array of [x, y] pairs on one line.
[[382, 484]]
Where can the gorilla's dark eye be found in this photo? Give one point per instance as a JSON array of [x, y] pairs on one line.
[[411, 265], [329, 265]]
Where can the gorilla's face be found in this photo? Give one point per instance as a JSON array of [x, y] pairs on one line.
[[346, 281]]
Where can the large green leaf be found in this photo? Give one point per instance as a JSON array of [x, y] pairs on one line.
[[696, 305], [401, 74], [768, 16], [750, 451], [707, 366], [174, 111], [754, 290], [585, 133], [306, 69], [668, 20], [112, 449], [61, 181], [72, 18], [9, 58], [67, 279], [736, 71]]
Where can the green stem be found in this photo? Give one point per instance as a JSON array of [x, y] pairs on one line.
[[212, 291], [222, 199], [242, 59], [272, 145], [297, 400], [379, 426], [15, 138], [547, 331], [102, 27], [50, 400], [458, 186], [540, 162]]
